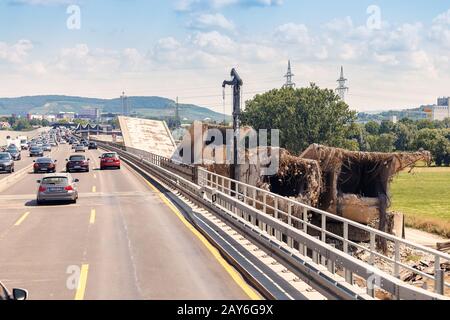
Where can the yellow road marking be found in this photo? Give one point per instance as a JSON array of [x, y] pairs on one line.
[[92, 218], [82, 282], [95, 176], [19, 222], [94, 189], [231, 271]]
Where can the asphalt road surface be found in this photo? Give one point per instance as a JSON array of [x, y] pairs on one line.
[[120, 241]]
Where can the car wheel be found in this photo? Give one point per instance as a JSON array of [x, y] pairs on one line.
[[39, 202]]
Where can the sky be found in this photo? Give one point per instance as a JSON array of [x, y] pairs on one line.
[[395, 53]]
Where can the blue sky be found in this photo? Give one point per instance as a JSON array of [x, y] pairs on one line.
[[186, 48]]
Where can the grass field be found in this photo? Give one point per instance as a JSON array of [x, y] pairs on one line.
[[424, 197]]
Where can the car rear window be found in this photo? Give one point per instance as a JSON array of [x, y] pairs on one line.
[[109, 155], [55, 181], [77, 158], [44, 160]]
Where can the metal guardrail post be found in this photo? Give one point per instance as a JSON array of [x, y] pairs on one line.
[[439, 277], [349, 276], [331, 265], [323, 235], [397, 260], [372, 248]]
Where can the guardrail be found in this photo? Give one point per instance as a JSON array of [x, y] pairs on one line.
[[289, 222]]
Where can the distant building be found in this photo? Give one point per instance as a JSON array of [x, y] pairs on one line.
[[89, 114], [68, 116], [39, 117], [438, 112], [393, 119], [108, 116], [444, 102], [50, 117]]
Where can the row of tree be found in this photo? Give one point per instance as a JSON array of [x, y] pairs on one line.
[[24, 124], [313, 115]]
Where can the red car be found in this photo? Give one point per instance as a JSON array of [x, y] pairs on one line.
[[109, 160]]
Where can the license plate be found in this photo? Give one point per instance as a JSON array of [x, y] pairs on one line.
[[77, 167], [55, 189], [44, 169], [110, 161]]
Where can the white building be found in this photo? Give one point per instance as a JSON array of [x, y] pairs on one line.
[[440, 112]]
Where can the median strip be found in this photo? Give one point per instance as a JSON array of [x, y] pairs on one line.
[[22, 219]]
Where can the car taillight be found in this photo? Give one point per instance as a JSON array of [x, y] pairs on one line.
[[68, 188], [36, 165], [42, 189]]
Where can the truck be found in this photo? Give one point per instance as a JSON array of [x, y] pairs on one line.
[[23, 140]]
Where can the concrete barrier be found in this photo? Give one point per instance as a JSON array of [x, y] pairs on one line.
[[15, 177]]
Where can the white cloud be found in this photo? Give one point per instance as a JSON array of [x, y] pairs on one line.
[[206, 21], [293, 33], [17, 52], [191, 5]]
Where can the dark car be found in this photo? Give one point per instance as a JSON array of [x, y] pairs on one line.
[[109, 160], [14, 152], [44, 165], [77, 163], [36, 151], [17, 294], [92, 146], [6, 162]]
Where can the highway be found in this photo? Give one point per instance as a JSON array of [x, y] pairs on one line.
[[120, 241]]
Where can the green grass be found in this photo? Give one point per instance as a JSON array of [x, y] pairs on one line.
[[424, 197]]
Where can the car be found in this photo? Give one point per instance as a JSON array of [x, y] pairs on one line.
[[92, 146], [57, 187], [53, 144], [63, 142], [17, 294], [80, 148], [24, 144], [14, 151], [44, 165], [36, 151], [6, 162], [109, 160], [47, 147], [77, 163]]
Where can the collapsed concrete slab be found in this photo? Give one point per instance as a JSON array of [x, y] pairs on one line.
[[353, 185], [147, 135]]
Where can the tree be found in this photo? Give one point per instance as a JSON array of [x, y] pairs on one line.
[[425, 124], [303, 116], [21, 125], [372, 127], [404, 137], [386, 127], [381, 143]]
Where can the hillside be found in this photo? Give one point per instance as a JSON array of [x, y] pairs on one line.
[[155, 107]]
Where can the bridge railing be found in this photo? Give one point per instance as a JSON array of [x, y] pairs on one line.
[[299, 215], [295, 224]]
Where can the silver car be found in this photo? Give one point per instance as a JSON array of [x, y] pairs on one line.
[[57, 187], [80, 148]]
